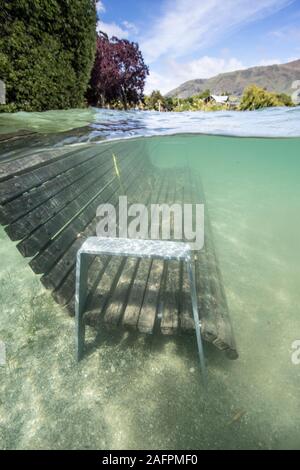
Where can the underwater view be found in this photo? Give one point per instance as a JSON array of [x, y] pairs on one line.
[[139, 391]]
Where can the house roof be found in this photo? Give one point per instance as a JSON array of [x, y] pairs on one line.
[[220, 99]]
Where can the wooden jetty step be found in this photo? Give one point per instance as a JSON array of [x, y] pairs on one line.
[[48, 203]]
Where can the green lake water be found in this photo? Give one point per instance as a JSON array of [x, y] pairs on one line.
[[145, 392]]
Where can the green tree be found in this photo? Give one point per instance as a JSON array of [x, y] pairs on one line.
[[285, 99], [205, 94], [256, 98], [155, 100], [47, 49]]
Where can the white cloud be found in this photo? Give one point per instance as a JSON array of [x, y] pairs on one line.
[[186, 26], [100, 8], [130, 27], [269, 62], [112, 29], [176, 73], [265, 62]]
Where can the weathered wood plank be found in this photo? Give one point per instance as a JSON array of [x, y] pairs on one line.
[[79, 228], [65, 291], [41, 236], [136, 296], [170, 284], [47, 258], [41, 214], [186, 320], [114, 305], [202, 275], [117, 305], [156, 277], [15, 186], [54, 277], [29, 200], [139, 285], [225, 339], [108, 282], [118, 301], [170, 316], [14, 145], [150, 303], [94, 316], [33, 159]]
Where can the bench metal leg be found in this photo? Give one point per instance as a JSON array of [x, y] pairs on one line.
[[80, 301], [197, 322]]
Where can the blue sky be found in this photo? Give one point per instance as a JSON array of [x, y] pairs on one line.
[[187, 39]]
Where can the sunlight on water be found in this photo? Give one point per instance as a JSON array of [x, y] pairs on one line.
[[133, 391]]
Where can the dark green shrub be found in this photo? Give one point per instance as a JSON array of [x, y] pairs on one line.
[[47, 50]]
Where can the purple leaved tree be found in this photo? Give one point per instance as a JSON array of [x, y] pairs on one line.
[[119, 72]]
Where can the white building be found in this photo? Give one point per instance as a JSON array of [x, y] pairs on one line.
[[218, 99]]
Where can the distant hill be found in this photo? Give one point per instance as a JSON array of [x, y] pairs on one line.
[[277, 78]]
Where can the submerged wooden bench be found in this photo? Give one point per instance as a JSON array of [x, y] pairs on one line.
[[48, 203]]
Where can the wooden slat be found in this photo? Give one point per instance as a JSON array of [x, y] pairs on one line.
[[65, 291], [118, 301], [14, 145], [107, 285], [150, 303], [54, 250], [41, 214], [31, 160], [117, 306], [217, 302], [202, 274], [170, 287], [48, 257], [139, 285], [84, 223], [26, 147], [136, 296], [186, 320], [204, 271], [54, 278], [15, 186], [151, 299], [114, 305], [28, 201], [40, 237], [170, 317], [52, 194]]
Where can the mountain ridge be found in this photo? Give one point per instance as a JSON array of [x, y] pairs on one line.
[[277, 77]]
